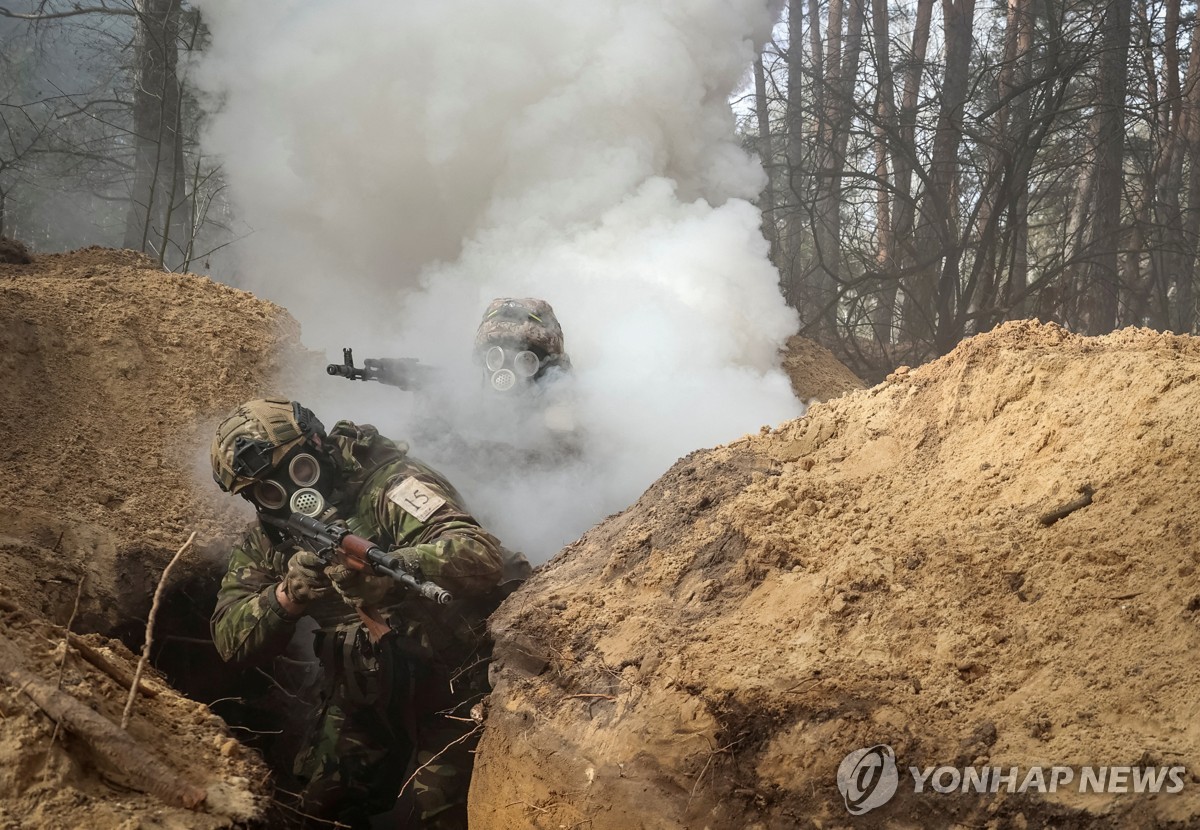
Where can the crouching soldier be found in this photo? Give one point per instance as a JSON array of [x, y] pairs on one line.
[[401, 673]]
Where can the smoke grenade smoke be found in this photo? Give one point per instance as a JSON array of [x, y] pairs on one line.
[[405, 163]]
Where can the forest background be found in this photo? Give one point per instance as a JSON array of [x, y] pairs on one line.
[[934, 168]]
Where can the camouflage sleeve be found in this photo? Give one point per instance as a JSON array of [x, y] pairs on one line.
[[449, 546], [248, 624]]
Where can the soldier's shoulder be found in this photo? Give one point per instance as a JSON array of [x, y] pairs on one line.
[[361, 450], [407, 466], [415, 487], [364, 435]]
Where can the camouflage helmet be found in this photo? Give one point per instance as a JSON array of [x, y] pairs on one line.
[[529, 321], [256, 437]]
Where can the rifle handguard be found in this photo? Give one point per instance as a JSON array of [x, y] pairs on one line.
[[357, 549]]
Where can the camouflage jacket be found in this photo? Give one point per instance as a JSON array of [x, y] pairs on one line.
[[450, 547]]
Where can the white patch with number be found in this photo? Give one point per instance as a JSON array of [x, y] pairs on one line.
[[416, 499]]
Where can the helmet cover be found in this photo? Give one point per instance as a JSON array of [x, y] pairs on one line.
[[255, 439], [527, 321]]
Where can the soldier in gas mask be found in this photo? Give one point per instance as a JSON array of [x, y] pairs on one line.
[[388, 656], [526, 370], [520, 344]]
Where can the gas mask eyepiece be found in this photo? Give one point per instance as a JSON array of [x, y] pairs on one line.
[[526, 364], [269, 494], [304, 470], [494, 359]]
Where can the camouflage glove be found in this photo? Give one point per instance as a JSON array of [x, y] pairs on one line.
[[305, 579], [359, 588]]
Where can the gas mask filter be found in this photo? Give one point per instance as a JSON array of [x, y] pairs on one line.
[[508, 367]]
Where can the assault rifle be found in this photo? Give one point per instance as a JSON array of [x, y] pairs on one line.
[[407, 373], [332, 541]]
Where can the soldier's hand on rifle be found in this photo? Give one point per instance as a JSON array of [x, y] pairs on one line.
[[305, 580], [359, 588]]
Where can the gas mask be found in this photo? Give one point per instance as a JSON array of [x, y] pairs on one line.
[[298, 484], [506, 368]]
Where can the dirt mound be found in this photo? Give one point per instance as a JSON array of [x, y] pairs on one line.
[[815, 373], [14, 251], [876, 573], [112, 375]]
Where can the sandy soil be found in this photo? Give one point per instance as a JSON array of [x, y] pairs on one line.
[[53, 778], [112, 375], [815, 373], [876, 572]]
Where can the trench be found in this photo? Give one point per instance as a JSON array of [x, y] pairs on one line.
[[266, 706], [270, 707]]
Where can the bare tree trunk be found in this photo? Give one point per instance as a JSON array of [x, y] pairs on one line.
[[841, 71], [886, 129], [1016, 131], [885, 253], [821, 273], [1151, 207], [174, 226], [1077, 237], [1185, 285], [796, 231], [904, 158], [1174, 258], [1190, 119], [804, 129], [156, 118], [766, 155], [928, 311], [1000, 155], [147, 120], [1101, 276]]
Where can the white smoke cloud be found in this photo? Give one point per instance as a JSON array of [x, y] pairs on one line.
[[405, 163]]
